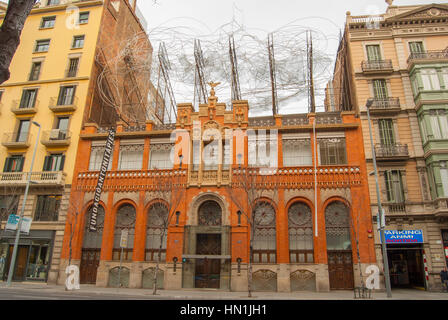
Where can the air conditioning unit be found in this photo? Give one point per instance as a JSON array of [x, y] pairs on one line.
[[54, 134]]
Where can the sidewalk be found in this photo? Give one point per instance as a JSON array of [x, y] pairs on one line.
[[185, 294]]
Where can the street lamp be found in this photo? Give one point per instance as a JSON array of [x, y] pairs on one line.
[[19, 225], [380, 209]]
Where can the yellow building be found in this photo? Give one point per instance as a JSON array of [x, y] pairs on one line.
[[52, 85]]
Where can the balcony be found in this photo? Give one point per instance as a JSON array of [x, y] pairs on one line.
[[63, 106], [56, 138], [385, 105], [441, 207], [395, 208], [20, 108], [37, 178], [392, 152], [425, 57], [14, 140], [377, 66]]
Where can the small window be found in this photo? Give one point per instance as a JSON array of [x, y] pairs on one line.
[[48, 22], [84, 17], [42, 45], [373, 52], [35, 71], [47, 208], [78, 42], [72, 67], [332, 152], [23, 130], [1, 95], [416, 47], [54, 162]]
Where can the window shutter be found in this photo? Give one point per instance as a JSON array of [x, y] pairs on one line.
[[7, 166], [20, 164], [47, 163], [61, 166]]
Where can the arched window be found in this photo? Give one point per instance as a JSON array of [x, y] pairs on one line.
[[300, 226], [337, 226], [264, 238], [93, 239], [125, 220], [209, 214], [156, 231]]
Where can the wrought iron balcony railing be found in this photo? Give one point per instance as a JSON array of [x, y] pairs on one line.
[[428, 55], [377, 65], [392, 151], [385, 103]]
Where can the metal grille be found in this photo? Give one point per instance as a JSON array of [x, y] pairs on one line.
[[92, 240], [303, 280], [156, 224], [148, 278], [264, 280], [300, 234], [125, 220], [210, 214], [337, 225], [124, 277]]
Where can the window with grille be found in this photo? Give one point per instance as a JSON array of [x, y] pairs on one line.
[[373, 52], [297, 153], [28, 99], [42, 46], [93, 239], [78, 42], [14, 163], [380, 89], [66, 95], [54, 162], [8, 205], [430, 79], [131, 157], [161, 156], [125, 220], [386, 128], [394, 186], [332, 151], [35, 71], [72, 67], [156, 232], [96, 159], [47, 208], [48, 22], [264, 238], [300, 226], [337, 226]]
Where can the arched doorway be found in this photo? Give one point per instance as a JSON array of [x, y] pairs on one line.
[[208, 270], [125, 220], [91, 248], [339, 246]]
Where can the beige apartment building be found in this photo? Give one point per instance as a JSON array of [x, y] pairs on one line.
[[375, 60]]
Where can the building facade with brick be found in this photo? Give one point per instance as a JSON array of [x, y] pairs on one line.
[[387, 58], [229, 177]]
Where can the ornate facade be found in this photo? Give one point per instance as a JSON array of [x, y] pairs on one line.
[[217, 176]]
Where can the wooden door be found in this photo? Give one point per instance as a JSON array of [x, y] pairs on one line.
[[21, 262], [340, 269], [208, 271], [90, 261]]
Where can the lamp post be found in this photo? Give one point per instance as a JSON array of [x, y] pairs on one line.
[[380, 208], [19, 225]]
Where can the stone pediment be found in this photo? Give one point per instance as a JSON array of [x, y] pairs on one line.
[[211, 125], [425, 12]]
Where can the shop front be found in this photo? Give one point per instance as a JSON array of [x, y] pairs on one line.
[[33, 255], [405, 256]]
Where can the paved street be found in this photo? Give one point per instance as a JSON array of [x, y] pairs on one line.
[[40, 291]]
